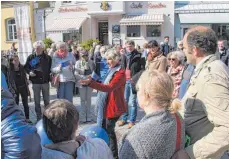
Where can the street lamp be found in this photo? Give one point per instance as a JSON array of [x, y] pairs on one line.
[[46, 11]]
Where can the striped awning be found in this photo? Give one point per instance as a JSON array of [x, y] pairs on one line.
[[214, 7], [154, 19], [67, 24]]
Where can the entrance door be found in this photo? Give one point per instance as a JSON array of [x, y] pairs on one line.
[[103, 32]]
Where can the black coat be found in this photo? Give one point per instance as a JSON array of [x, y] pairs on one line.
[[136, 64], [42, 69], [224, 57]]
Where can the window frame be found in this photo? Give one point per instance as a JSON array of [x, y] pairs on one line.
[[153, 36], [133, 36], [15, 38]]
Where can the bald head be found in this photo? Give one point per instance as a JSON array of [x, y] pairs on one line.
[[203, 38]]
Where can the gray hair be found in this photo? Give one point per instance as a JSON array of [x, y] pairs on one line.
[[38, 44], [203, 38], [60, 45], [103, 49], [113, 55], [97, 48], [179, 55], [53, 46], [94, 44]]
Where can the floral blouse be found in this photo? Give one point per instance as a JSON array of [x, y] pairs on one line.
[[176, 74]]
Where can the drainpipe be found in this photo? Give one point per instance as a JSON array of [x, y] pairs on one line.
[[33, 34]]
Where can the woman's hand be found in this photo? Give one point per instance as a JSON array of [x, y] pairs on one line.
[[86, 81]]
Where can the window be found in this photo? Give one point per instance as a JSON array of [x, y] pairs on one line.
[[153, 30], [133, 31], [11, 30], [67, 2]]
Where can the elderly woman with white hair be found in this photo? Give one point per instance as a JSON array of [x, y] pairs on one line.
[[63, 65], [38, 66], [110, 99], [176, 62], [83, 68]]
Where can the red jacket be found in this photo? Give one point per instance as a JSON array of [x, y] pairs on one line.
[[116, 104]]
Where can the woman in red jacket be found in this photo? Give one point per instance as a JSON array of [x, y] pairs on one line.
[[110, 99]]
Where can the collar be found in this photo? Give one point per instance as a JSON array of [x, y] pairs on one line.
[[198, 66]]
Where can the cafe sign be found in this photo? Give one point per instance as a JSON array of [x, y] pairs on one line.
[[136, 5], [76, 9], [156, 6]]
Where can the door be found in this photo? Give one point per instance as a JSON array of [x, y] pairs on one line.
[[103, 32]]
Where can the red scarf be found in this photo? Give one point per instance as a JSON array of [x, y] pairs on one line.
[[61, 54]]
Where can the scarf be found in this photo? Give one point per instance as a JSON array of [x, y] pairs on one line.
[[61, 54], [101, 99]]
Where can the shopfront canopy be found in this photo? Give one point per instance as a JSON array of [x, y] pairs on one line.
[[154, 19], [204, 18], [67, 24]]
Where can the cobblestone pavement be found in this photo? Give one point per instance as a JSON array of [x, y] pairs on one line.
[[76, 101]]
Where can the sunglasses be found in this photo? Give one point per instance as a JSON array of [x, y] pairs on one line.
[[170, 59]]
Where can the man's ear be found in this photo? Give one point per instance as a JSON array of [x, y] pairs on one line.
[[195, 51]]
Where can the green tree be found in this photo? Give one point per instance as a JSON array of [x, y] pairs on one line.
[[48, 42], [87, 45]]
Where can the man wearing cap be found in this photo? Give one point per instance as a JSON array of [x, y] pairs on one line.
[[206, 103]]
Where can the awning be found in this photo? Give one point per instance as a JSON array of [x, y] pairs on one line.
[[67, 24], [204, 18], [154, 19], [216, 7]]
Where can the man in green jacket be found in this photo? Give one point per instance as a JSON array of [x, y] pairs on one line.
[[206, 103]]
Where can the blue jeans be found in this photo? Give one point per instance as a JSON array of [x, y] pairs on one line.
[[65, 91], [131, 100]]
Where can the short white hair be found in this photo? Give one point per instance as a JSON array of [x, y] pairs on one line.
[[97, 48], [179, 55], [113, 55], [60, 45], [38, 44], [103, 49]]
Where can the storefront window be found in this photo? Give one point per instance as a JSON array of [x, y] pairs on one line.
[[153, 30], [222, 31], [74, 36], [133, 31]]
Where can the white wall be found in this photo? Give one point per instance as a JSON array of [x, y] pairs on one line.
[[57, 36], [168, 25], [167, 28], [113, 20]]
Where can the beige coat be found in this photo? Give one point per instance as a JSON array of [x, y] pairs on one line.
[[158, 63], [206, 110]]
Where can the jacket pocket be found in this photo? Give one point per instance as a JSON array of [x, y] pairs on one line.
[[190, 101]]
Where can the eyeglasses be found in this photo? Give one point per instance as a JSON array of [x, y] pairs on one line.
[[170, 59]]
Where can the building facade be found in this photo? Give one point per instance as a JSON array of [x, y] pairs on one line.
[[9, 28], [111, 22], [214, 14]]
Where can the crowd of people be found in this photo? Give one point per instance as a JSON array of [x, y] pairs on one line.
[[184, 93]]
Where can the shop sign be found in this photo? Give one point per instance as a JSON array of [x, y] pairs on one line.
[[116, 29], [76, 9], [116, 41], [104, 6], [136, 5], [160, 5]]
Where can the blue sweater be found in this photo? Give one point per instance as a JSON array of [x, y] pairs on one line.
[[103, 69]]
